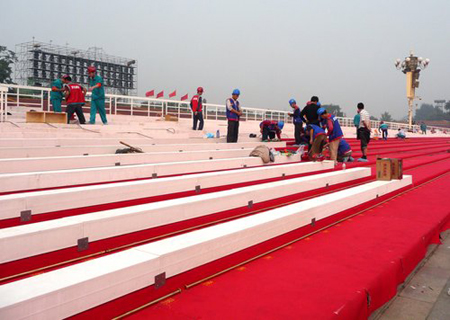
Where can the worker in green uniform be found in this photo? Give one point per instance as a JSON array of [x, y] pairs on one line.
[[98, 96], [56, 95]]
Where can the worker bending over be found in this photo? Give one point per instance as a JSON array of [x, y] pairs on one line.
[[74, 94], [270, 128]]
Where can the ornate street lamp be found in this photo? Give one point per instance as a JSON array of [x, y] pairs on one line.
[[411, 66]]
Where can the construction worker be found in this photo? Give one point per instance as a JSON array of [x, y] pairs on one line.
[[74, 94], [298, 122], [318, 140], [197, 109], [56, 95], [364, 130], [270, 128], [384, 130], [309, 112], [344, 152], [234, 112], [334, 131], [98, 95]]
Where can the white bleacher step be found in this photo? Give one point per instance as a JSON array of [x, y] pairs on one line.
[[60, 178], [38, 202], [74, 289], [111, 160], [35, 152], [42, 237]]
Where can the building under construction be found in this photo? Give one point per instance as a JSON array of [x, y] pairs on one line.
[[40, 63]]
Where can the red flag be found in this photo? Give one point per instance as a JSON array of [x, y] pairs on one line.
[[173, 94], [150, 93], [185, 97], [160, 95]]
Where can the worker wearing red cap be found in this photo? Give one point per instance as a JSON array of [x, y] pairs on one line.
[[74, 94], [197, 109], [98, 95]]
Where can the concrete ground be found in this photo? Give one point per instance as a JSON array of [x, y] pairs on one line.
[[426, 292]]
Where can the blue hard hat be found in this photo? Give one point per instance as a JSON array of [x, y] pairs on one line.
[[320, 111], [292, 101], [236, 92], [280, 124]]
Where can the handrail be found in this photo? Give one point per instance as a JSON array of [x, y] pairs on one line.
[[39, 98]]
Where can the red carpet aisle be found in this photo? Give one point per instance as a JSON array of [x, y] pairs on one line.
[[345, 272]]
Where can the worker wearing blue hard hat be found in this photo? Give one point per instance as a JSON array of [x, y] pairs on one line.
[[298, 122], [234, 112], [334, 131], [270, 128]]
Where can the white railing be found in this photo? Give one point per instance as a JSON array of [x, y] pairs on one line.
[[38, 98]]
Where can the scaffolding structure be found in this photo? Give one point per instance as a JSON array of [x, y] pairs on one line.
[[40, 63]]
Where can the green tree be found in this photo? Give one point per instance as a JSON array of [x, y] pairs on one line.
[[447, 106], [386, 116], [373, 118], [334, 109], [430, 112], [7, 58]]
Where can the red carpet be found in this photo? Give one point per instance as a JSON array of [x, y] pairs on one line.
[[345, 272]]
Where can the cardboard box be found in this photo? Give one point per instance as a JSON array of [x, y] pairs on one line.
[[388, 169], [384, 169], [397, 169]]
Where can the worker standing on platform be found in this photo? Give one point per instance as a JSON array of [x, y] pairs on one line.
[[334, 131], [298, 122], [234, 112], [309, 112], [56, 95], [197, 109], [98, 95], [363, 131], [74, 94], [270, 128]]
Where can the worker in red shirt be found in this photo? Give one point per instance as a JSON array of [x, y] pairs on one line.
[[197, 109], [269, 128], [74, 94]]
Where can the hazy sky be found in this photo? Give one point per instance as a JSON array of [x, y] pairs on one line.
[[343, 51]]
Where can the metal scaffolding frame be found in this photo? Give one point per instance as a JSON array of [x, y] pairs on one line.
[[40, 63]]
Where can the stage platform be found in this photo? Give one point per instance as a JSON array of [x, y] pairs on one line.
[[195, 228]]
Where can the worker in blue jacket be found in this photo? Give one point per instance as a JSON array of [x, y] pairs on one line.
[[298, 122]]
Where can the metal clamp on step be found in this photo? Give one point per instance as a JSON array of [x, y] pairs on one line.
[[313, 222], [154, 175], [25, 215], [250, 204], [83, 244], [117, 164], [160, 280], [197, 189]]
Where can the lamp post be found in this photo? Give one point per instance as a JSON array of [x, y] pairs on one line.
[[411, 66]]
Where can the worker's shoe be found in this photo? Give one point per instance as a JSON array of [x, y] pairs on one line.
[[362, 160]]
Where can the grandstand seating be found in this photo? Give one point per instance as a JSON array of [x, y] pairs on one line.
[[80, 232]]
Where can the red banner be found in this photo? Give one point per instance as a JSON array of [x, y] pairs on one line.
[[173, 94], [150, 93], [185, 97], [160, 95]]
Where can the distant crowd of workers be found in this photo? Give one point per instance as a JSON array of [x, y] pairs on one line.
[[74, 95], [313, 126]]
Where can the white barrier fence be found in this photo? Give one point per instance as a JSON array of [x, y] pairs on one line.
[[38, 98]]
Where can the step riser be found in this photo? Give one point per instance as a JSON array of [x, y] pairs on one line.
[[29, 240], [71, 290], [64, 199]]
